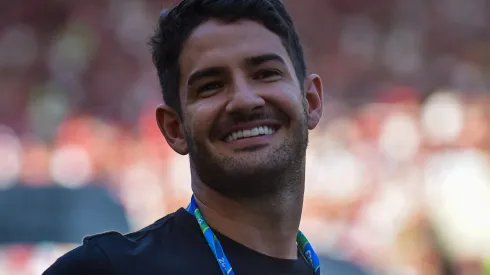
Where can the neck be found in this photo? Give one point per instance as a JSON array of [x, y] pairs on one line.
[[266, 225]]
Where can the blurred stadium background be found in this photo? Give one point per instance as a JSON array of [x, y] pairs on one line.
[[398, 175]]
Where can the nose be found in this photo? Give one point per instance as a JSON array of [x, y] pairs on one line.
[[243, 98]]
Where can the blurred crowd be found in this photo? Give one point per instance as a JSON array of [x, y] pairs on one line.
[[398, 174]]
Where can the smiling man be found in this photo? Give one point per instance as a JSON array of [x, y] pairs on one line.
[[240, 104]]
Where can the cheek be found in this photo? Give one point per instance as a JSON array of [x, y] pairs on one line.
[[287, 99], [201, 118]]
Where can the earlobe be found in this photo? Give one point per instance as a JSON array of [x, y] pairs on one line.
[[314, 100], [172, 129]]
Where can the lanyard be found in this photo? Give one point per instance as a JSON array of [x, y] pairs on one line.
[[213, 242]]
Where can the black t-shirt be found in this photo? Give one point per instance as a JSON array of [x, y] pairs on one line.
[[172, 245]]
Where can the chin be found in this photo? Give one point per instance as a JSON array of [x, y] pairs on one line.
[[251, 170], [257, 166], [247, 182]]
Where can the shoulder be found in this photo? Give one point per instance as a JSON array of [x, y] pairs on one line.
[[101, 253], [85, 259]]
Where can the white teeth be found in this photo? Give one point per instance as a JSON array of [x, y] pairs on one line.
[[257, 131]]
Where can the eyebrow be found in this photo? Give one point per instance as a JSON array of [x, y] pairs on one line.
[[261, 59], [253, 61]]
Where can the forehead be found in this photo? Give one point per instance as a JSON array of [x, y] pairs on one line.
[[216, 43]]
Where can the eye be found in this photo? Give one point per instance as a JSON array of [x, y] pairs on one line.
[[209, 87], [268, 75]]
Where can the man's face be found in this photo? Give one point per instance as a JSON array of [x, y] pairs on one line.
[[243, 111]]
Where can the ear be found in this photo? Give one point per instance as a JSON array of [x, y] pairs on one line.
[[314, 100], [172, 128]]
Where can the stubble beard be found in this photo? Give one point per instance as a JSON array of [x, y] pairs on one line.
[[282, 170]]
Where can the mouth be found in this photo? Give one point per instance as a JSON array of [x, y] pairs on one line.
[[262, 130]]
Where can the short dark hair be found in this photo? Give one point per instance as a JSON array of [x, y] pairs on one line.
[[176, 25]]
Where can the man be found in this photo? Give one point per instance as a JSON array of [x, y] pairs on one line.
[[239, 102]]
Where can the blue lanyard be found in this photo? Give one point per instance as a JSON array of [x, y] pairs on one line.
[[225, 266]]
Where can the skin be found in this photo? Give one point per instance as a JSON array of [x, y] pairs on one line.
[[237, 76]]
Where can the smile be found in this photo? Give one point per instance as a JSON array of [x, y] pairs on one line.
[[247, 133]]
